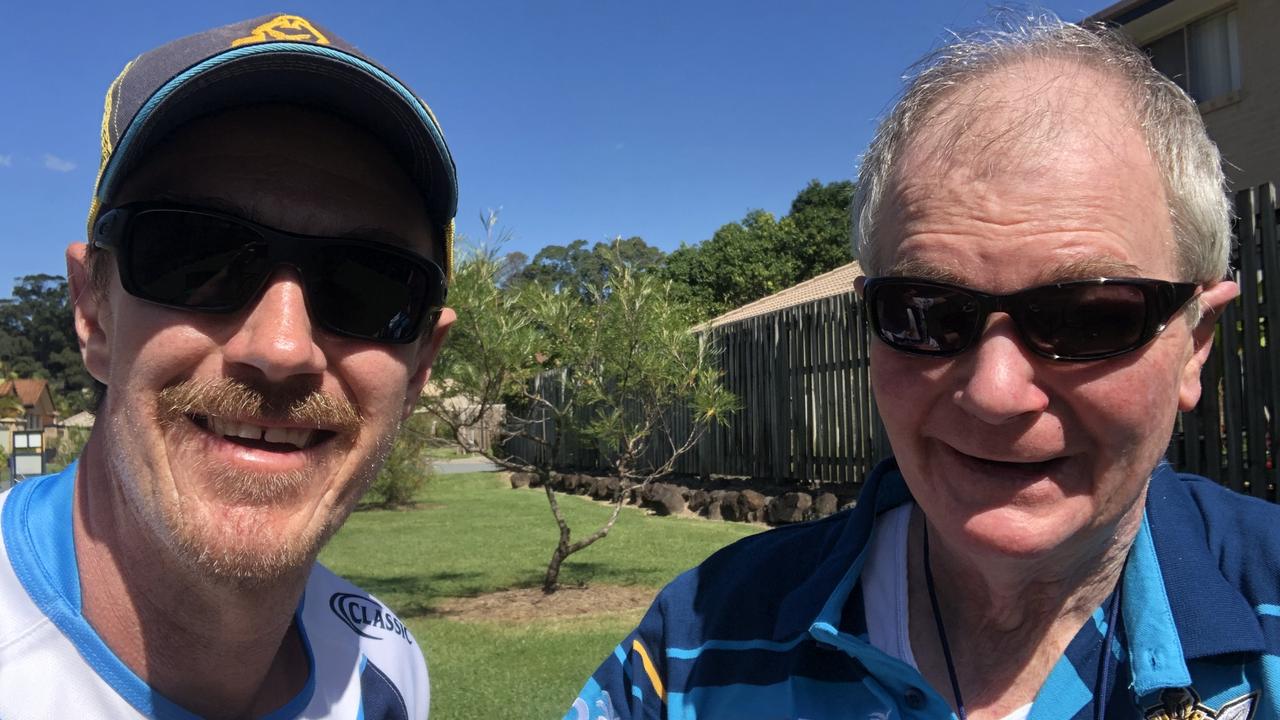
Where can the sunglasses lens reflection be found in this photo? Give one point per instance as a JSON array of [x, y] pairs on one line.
[[1083, 320], [925, 318]]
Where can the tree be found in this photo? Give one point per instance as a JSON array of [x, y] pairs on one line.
[[576, 268], [760, 255], [37, 338], [608, 368], [740, 263], [820, 214]]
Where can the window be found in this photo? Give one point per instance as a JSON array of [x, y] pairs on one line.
[[1202, 57]]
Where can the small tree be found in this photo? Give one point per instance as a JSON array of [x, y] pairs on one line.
[[406, 470], [610, 369]]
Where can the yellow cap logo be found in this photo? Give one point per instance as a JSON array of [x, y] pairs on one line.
[[283, 27]]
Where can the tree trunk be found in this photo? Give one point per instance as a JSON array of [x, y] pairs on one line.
[[551, 581]]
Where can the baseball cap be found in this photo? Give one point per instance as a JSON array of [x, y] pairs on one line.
[[273, 59]]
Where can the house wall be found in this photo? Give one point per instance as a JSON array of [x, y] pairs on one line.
[[1246, 131], [1243, 124]]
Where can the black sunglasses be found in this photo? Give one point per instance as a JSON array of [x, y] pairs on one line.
[[209, 262], [1079, 320]]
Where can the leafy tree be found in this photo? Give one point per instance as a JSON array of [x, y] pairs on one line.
[[760, 255], [740, 263], [577, 268], [607, 368], [37, 338], [820, 214]]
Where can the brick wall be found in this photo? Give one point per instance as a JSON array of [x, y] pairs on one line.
[[1248, 130]]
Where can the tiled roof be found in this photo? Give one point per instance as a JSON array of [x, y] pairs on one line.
[[827, 284], [28, 390]]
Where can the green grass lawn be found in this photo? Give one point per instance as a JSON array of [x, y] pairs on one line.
[[474, 535]]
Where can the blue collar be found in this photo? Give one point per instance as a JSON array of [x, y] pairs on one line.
[[1211, 614], [36, 527]]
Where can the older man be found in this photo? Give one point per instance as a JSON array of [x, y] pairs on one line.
[[262, 295], [1045, 233]]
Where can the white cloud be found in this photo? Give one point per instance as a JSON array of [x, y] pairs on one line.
[[57, 164], [6, 160]]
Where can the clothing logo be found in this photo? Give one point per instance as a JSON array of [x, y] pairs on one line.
[[362, 614], [289, 28], [1184, 704], [601, 709]]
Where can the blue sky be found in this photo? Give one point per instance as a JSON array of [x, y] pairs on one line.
[[579, 118]]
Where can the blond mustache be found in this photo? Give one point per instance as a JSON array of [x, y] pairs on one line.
[[225, 397]]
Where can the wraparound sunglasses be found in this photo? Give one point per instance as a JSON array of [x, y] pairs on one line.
[[1079, 320], [210, 262]]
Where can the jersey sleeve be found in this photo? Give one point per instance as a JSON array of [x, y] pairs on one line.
[[631, 683]]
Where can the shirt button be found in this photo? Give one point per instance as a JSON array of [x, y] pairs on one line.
[[914, 698]]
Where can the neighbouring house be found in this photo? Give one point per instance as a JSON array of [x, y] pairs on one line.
[[82, 420], [482, 431], [1224, 54], [38, 412]]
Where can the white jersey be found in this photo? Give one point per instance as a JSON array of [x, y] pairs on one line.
[[364, 663]]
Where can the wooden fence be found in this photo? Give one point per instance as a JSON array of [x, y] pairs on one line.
[[809, 417], [1233, 436], [807, 413]]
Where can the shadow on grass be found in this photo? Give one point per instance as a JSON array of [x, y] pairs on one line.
[[576, 572], [416, 596]]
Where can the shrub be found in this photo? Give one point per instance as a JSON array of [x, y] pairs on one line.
[[407, 469]]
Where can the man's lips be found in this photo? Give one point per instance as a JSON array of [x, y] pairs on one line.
[[1032, 467]]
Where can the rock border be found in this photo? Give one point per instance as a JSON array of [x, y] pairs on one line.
[[725, 499]]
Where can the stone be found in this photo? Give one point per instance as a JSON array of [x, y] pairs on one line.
[[604, 488], [522, 479], [789, 507], [699, 500], [729, 508], [825, 504], [664, 499], [751, 505], [714, 505]]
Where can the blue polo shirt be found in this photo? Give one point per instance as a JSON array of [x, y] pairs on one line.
[[773, 626]]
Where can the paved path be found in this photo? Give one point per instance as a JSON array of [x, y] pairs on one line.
[[463, 465]]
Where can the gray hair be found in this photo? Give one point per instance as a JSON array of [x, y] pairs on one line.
[[1187, 160]]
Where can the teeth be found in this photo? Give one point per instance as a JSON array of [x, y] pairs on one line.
[[298, 437], [249, 432]]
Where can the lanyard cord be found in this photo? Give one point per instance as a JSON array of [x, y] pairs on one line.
[[942, 631], [1106, 661]]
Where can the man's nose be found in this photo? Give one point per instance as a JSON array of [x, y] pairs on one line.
[[276, 335], [1000, 384]]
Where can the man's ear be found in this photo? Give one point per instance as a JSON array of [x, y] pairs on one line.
[[88, 306], [427, 352], [1213, 301], [859, 286]]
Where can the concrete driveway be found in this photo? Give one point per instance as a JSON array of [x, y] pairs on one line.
[[463, 465]]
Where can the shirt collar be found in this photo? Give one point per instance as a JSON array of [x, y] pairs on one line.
[[826, 599], [1211, 615]]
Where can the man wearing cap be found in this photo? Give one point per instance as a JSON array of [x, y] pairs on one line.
[[1045, 235], [262, 296]]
